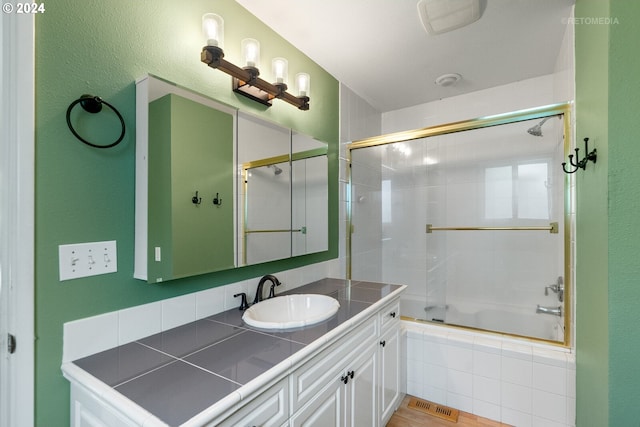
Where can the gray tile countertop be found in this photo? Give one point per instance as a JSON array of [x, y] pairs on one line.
[[178, 373]]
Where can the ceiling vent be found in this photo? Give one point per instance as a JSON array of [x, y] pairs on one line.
[[440, 16], [448, 79]]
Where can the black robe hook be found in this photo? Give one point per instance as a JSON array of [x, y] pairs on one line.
[[196, 200], [581, 164]]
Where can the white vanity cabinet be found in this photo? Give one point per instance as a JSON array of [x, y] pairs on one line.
[[348, 400], [330, 364], [352, 379], [355, 382], [325, 409], [89, 411], [338, 386], [389, 379], [360, 396], [269, 409]]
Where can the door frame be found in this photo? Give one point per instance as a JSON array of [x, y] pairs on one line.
[[17, 33]]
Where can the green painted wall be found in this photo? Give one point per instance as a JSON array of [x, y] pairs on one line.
[[624, 211], [592, 351], [608, 236], [85, 194]]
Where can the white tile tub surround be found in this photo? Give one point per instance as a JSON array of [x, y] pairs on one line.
[[91, 335], [518, 382]]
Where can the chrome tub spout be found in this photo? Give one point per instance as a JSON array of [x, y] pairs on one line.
[[556, 311]]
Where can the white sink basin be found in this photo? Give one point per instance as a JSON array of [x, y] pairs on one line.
[[291, 311]]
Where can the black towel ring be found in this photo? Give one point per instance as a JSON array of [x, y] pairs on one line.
[[93, 105]]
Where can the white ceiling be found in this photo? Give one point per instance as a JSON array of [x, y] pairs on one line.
[[380, 50]]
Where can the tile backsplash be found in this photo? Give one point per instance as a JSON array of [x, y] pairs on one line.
[[84, 337]]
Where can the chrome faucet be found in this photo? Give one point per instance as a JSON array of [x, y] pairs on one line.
[[556, 311], [557, 287], [275, 282]]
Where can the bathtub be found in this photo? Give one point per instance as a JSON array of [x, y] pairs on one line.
[[513, 380], [509, 320]]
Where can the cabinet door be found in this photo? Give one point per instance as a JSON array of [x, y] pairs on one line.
[[270, 409], [389, 383], [190, 149], [314, 375], [361, 394], [89, 411], [326, 409]]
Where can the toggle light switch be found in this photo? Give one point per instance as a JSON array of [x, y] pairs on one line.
[[87, 259]]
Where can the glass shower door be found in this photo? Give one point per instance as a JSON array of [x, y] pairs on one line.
[[472, 222]]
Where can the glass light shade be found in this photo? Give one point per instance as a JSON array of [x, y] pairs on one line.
[[280, 69], [251, 52], [213, 29], [303, 84]]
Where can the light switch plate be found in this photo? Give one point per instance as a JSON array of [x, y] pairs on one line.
[[87, 259]]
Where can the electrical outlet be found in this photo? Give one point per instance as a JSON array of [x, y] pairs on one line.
[[87, 259]]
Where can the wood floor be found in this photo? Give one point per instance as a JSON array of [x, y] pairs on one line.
[[405, 417]]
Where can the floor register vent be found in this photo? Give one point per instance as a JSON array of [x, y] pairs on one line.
[[434, 409]]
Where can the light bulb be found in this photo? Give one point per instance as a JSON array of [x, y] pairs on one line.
[[303, 83], [213, 29], [280, 69], [251, 52]]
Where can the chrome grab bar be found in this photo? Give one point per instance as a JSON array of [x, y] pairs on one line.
[[282, 230]]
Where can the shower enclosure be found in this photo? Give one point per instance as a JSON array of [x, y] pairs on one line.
[[473, 217]]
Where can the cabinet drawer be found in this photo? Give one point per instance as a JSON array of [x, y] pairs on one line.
[[390, 314], [269, 409], [315, 374]]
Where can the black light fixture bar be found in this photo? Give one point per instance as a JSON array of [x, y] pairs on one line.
[[247, 83]]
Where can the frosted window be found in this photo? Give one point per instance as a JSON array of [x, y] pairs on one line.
[[533, 194]]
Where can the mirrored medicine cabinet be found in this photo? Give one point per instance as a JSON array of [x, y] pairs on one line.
[[218, 188]]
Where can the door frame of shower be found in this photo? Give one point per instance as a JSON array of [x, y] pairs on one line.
[[482, 122]]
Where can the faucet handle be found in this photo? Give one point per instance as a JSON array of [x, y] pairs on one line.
[[243, 303], [272, 288]]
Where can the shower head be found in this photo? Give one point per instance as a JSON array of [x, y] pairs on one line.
[[276, 169], [537, 129]]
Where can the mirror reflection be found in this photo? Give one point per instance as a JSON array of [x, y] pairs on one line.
[[192, 215], [309, 195], [265, 226]]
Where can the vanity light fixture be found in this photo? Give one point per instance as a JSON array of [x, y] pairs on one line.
[[245, 79]]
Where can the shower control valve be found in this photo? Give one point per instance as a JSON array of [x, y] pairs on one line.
[[557, 288]]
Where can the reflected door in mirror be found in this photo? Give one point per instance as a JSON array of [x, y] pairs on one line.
[[309, 199], [190, 150], [264, 154]]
